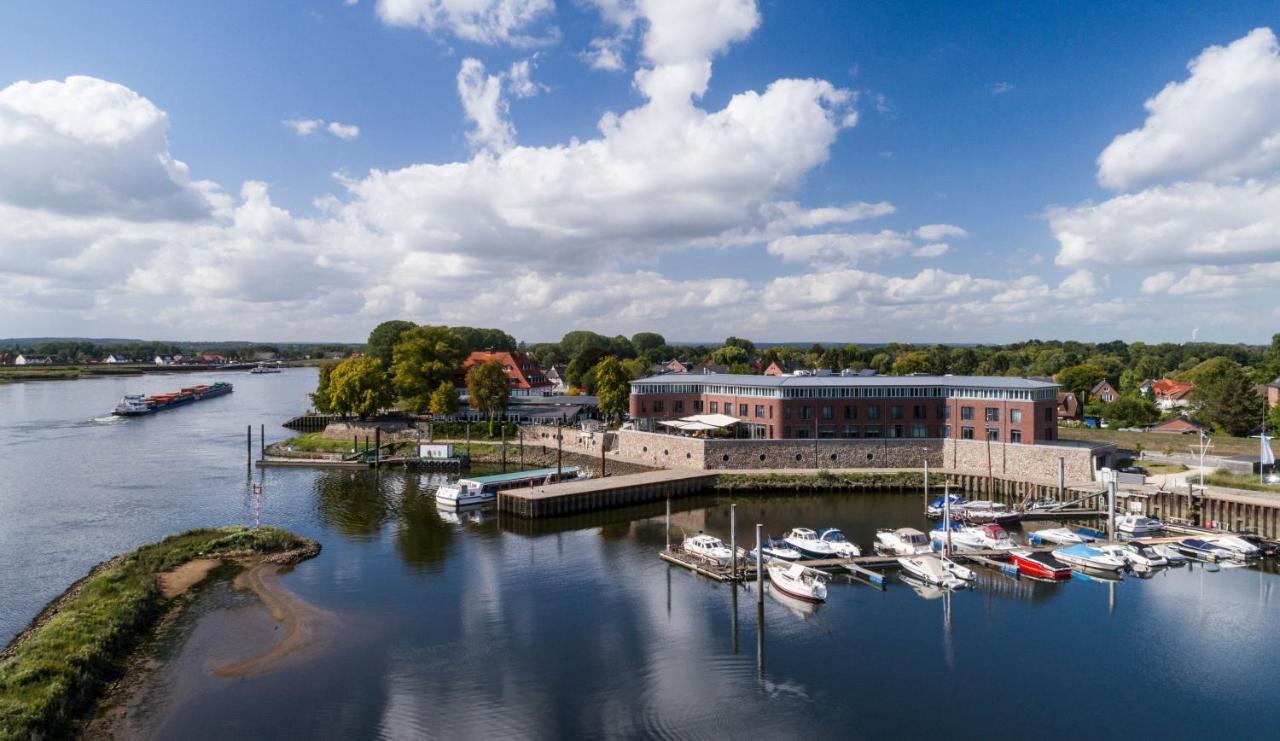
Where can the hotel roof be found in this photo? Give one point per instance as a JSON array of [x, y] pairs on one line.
[[835, 379]]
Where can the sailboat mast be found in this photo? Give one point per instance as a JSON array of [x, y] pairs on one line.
[[946, 516]]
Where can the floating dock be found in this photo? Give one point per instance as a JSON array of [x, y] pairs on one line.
[[582, 495]]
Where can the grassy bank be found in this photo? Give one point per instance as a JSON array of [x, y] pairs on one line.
[[820, 480], [54, 671], [1160, 442], [1239, 481]]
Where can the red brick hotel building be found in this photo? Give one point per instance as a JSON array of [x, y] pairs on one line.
[[1010, 410]]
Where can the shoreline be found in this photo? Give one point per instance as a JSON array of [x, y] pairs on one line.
[[56, 670]]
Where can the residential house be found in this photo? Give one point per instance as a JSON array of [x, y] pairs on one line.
[[779, 368], [32, 360], [1069, 406], [555, 374], [1273, 392], [1104, 392], [710, 367], [524, 377], [1172, 394], [678, 366], [1177, 426], [163, 360], [210, 358], [118, 359]]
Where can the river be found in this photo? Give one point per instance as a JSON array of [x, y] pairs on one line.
[[574, 628]]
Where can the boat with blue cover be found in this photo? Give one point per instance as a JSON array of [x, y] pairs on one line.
[[936, 507]]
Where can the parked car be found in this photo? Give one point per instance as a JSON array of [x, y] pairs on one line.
[[1135, 469]]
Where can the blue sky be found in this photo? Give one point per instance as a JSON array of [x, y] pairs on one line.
[[982, 124]]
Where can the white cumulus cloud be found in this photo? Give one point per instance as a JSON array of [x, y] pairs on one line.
[[483, 21]]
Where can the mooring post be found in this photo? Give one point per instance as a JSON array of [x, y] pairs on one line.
[[559, 454], [262, 442], [733, 540], [468, 438], [504, 446], [377, 447], [520, 432], [355, 443], [248, 444], [1062, 478], [759, 567], [602, 461], [668, 524], [1111, 509], [926, 483]]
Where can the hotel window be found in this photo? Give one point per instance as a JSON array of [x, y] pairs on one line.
[[873, 411], [918, 412], [966, 433], [678, 406], [804, 412], [895, 412], [993, 434], [803, 432], [644, 408], [715, 407], [895, 430], [944, 411], [1015, 415], [850, 412], [1048, 433], [946, 431], [657, 406], [828, 412], [1048, 414], [1015, 436], [871, 431], [742, 410], [697, 405], [993, 414], [826, 433], [850, 431], [759, 410], [966, 412], [919, 431]]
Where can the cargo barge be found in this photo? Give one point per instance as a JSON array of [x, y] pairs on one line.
[[136, 405]]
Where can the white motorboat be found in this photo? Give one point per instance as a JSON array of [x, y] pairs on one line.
[[776, 547], [809, 544], [840, 545], [987, 511], [905, 541], [1137, 554], [993, 537], [1203, 549], [708, 547], [929, 568], [1058, 535], [1088, 557], [1135, 524], [1170, 554], [798, 580], [484, 489], [962, 538], [957, 570], [1239, 547]]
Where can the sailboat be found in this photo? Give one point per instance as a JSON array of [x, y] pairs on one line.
[[956, 570]]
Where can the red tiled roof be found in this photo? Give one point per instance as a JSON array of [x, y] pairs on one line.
[[1176, 425], [1169, 389], [522, 373]]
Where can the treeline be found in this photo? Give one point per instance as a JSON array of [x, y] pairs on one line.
[[84, 351]]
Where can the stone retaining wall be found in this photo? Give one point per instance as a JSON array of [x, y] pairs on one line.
[[1028, 462]]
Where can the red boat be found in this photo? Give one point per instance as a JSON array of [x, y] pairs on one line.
[[1039, 565]]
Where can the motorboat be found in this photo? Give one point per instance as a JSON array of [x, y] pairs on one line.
[[1239, 547], [936, 507], [995, 537], [1039, 565], [1202, 549], [1041, 505], [776, 547], [840, 545], [1057, 535], [905, 541], [809, 544], [929, 568], [1090, 534], [1137, 554], [957, 570], [798, 580], [708, 547], [484, 489], [983, 511], [1135, 524], [1170, 554], [962, 538], [1088, 557]]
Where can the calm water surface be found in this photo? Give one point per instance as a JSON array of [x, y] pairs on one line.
[[573, 628]]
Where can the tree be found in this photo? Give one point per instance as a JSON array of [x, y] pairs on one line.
[[747, 345], [480, 338], [613, 386], [1231, 404], [636, 367], [358, 386], [729, 355], [1130, 411], [913, 362], [320, 399], [1080, 379], [488, 389], [425, 357], [383, 339], [444, 400], [578, 372], [647, 342]]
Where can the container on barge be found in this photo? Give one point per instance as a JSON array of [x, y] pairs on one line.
[[136, 405]]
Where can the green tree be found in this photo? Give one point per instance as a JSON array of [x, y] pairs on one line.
[[916, 361], [425, 357], [444, 400], [1231, 404], [1080, 378], [480, 338], [488, 389], [636, 367], [383, 339], [646, 342], [729, 355], [1130, 411], [358, 386], [321, 399], [613, 387]]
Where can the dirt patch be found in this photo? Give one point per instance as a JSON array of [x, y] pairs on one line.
[[186, 576], [304, 626]]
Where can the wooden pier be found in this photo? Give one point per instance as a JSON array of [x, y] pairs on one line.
[[571, 497]]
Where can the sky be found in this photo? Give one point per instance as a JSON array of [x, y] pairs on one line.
[[776, 169]]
